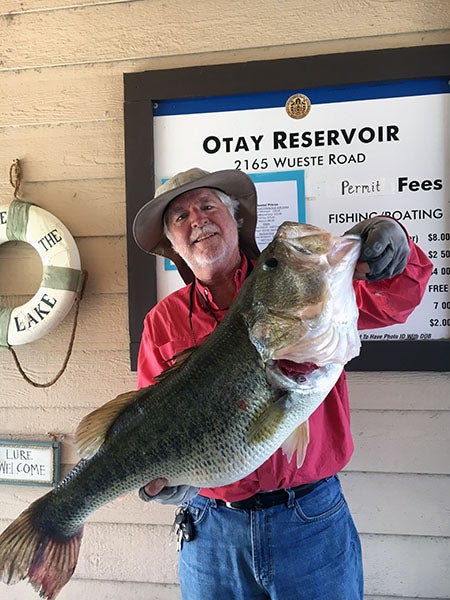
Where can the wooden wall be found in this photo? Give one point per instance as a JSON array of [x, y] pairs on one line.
[[61, 67]]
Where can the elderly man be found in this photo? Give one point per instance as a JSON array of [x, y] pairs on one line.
[[282, 532]]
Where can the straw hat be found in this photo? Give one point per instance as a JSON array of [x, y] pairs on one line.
[[148, 224]]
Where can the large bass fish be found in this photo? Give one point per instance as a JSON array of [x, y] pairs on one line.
[[217, 416]]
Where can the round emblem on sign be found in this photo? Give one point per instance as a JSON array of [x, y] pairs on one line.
[[298, 106]]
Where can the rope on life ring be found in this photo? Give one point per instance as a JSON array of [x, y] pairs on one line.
[[62, 279]]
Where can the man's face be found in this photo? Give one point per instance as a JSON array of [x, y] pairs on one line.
[[202, 230]]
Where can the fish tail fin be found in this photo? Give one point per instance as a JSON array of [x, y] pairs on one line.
[[27, 552]]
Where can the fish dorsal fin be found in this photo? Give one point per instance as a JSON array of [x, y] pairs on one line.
[[179, 359], [92, 430], [297, 442]]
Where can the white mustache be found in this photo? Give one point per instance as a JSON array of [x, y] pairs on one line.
[[202, 231]]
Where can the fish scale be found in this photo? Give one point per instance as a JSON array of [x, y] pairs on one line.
[[217, 416]]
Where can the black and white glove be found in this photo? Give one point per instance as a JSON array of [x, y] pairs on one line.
[[385, 247]]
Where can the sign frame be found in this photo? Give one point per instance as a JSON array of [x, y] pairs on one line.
[[143, 90], [53, 447]]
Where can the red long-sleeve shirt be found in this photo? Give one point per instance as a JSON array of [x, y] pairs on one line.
[[167, 332]]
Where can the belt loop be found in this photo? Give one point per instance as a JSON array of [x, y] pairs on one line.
[[291, 499], [212, 502]]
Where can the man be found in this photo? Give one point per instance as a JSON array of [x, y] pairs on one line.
[[283, 532]]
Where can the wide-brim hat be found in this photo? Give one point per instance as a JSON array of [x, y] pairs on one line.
[[148, 228]]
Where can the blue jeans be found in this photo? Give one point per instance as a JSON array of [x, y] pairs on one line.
[[306, 549]]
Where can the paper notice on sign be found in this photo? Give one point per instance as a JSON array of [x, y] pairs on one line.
[[280, 199]]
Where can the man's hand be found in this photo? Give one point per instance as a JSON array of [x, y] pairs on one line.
[[158, 490], [384, 251], [155, 486], [362, 270]]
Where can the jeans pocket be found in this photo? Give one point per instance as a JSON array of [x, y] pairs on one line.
[[320, 504], [199, 508]]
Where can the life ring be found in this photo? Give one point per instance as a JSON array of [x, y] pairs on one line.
[[62, 277]]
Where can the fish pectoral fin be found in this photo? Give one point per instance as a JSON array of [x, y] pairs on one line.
[[93, 428], [268, 421], [297, 442]]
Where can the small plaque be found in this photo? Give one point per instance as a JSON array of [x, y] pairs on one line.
[[298, 106], [29, 463]]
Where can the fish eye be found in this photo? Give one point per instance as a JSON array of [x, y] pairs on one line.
[[270, 264]]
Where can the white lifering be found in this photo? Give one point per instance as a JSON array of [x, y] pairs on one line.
[[61, 272]]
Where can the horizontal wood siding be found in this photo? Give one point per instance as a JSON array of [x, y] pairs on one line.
[[99, 32]]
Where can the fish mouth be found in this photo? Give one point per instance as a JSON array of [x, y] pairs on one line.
[[297, 372], [286, 374]]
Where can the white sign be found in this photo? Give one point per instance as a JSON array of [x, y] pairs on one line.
[[361, 151], [34, 463]]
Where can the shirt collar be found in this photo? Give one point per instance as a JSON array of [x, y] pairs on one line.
[[239, 277]]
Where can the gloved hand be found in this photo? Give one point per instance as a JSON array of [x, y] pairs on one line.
[[157, 490], [385, 247]]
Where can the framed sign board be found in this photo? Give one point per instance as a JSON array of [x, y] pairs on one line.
[[29, 462], [329, 140]]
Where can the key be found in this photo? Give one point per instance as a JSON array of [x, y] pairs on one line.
[[187, 528], [179, 518], [183, 526], [179, 538], [176, 526]]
